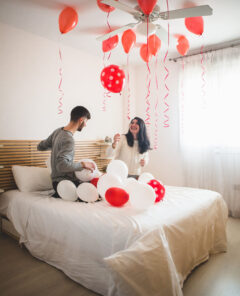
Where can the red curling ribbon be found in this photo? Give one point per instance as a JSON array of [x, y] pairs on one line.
[[166, 121], [128, 90], [60, 99], [106, 95], [147, 99], [203, 78], [156, 113]]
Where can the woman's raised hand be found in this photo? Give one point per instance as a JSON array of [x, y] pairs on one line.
[[116, 139]]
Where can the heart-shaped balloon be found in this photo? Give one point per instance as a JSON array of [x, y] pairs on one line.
[[128, 40], [147, 6], [183, 45], [195, 24], [145, 53], [154, 44], [110, 43]]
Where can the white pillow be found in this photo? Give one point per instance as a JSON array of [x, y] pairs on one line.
[[30, 179]]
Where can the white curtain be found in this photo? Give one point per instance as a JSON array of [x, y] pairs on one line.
[[209, 91]]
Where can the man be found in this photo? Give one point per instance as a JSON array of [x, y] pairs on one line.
[[61, 143]]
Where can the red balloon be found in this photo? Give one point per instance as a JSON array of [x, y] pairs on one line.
[[158, 188], [112, 78], [94, 181], [183, 45], [67, 20], [110, 43], [145, 53], [195, 24], [117, 197], [147, 6], [128, 40], [154, 44], [105, 7]]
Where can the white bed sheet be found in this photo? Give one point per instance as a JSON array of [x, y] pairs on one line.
[[119, 251]]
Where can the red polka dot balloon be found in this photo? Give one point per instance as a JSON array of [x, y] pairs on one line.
[[158, 188], [112, 78]]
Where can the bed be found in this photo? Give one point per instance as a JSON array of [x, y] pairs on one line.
[[121, 251]]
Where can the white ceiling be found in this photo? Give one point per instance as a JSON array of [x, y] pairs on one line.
[[41, 17]]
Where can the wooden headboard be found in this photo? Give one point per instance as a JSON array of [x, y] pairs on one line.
[[24, 152]]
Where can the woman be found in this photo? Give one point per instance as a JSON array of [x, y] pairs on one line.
[[132, 148]]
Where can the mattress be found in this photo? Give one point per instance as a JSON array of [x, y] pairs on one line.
[[121, 251]]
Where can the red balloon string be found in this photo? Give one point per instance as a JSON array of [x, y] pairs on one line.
[[203, 77], [156, 113], [147, 99], [148, 105], [128, 90], [109, 27], [166, 121], [60, 104]]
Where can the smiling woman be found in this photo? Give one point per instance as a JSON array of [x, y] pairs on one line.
[[132, 148]]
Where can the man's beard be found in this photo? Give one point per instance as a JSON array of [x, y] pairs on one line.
[[80, 127]]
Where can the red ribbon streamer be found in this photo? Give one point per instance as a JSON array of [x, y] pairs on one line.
[[166, 121], [60, 104], [128, 89], [148, 117], [155, 142]]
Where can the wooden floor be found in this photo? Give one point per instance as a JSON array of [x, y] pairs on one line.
[[23, 275]]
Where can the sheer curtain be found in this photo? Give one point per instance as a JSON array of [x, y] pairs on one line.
[[210, 123]]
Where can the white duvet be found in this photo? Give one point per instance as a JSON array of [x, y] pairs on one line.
[[118, 251]]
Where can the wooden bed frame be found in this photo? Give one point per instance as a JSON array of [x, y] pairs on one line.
[[24, 152]]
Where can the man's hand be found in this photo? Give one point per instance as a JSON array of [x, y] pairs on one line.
[[88, 165], [142, 162], [116, 139]]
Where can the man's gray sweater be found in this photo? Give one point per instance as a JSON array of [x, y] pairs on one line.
[[61, 143]]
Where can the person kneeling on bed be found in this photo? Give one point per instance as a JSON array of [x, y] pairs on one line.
[[61, 144]]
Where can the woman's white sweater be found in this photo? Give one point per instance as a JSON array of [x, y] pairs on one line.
[[130, 155]]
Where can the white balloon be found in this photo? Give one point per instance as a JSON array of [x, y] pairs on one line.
[[87, 192], [86, 175], [145, 177], [142, 197], [106, 181], [130, 184], [67, 190], [118, 167]]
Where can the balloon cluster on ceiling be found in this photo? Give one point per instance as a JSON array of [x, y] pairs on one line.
[[114, 187], [68, 20]]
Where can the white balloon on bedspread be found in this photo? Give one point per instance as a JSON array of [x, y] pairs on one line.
[[87, 192], [86, 175], [142, 197], [107, 181], [67, 190], [130, 184], [119, 168], [145, 177]]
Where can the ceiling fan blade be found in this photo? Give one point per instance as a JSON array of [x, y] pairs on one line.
[[162, 34], [122, 7], [115, 32], [186, 12]]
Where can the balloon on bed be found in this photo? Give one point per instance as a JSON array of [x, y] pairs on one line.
[[117, 189]]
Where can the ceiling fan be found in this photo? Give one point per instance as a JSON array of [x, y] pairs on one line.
[[156, 14]]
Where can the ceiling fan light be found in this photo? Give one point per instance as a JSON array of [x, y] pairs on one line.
[[143, 28]]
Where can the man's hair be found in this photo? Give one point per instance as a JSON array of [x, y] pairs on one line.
[[79, 112]]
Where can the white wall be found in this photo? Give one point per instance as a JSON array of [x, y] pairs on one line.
[[29, 78], [165, 162]]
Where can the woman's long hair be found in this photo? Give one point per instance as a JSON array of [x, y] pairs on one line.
[[142, 137]]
